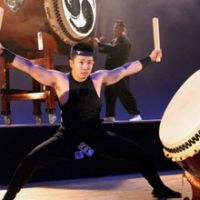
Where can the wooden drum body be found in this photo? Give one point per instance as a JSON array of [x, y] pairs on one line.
[[180, 130]]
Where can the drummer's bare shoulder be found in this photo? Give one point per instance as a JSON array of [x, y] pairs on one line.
[[62, 85]]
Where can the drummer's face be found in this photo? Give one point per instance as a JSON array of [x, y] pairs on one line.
[[118, 30], [81, 67]]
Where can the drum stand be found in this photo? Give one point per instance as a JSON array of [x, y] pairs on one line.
[[195, 184], [38, 93]]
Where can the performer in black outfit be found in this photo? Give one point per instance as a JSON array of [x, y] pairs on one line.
[[80, 134], [117, 53]]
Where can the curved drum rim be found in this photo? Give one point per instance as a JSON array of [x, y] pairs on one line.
[[176, 148]]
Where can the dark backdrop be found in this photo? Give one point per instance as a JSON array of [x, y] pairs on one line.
[[155, 86]]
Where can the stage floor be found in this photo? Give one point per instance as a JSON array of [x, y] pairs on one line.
[[144, 121], [120, 187]]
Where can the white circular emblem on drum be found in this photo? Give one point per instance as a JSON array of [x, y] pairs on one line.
[[72, 20]]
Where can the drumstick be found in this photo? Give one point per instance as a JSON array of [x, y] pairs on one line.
[[156, 35], [40, 41], [1, 16]]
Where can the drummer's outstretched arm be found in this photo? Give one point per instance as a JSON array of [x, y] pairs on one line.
[[39, 73], [113, 76]]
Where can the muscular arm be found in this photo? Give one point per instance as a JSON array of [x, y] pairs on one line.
[[112, 76], [109, 77], [39, 73]]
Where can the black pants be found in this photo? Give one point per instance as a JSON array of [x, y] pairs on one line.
[[57, 148], [121, 90]]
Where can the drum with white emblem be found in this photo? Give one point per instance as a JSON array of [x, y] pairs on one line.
[[69, 21]]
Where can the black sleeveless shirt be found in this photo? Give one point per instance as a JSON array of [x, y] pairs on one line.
[[80, 116]]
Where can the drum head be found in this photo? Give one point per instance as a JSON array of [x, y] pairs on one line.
[[180, 125], [73, 20]]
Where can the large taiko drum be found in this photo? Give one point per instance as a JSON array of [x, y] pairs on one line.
[[68, 21], [180, 130]]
